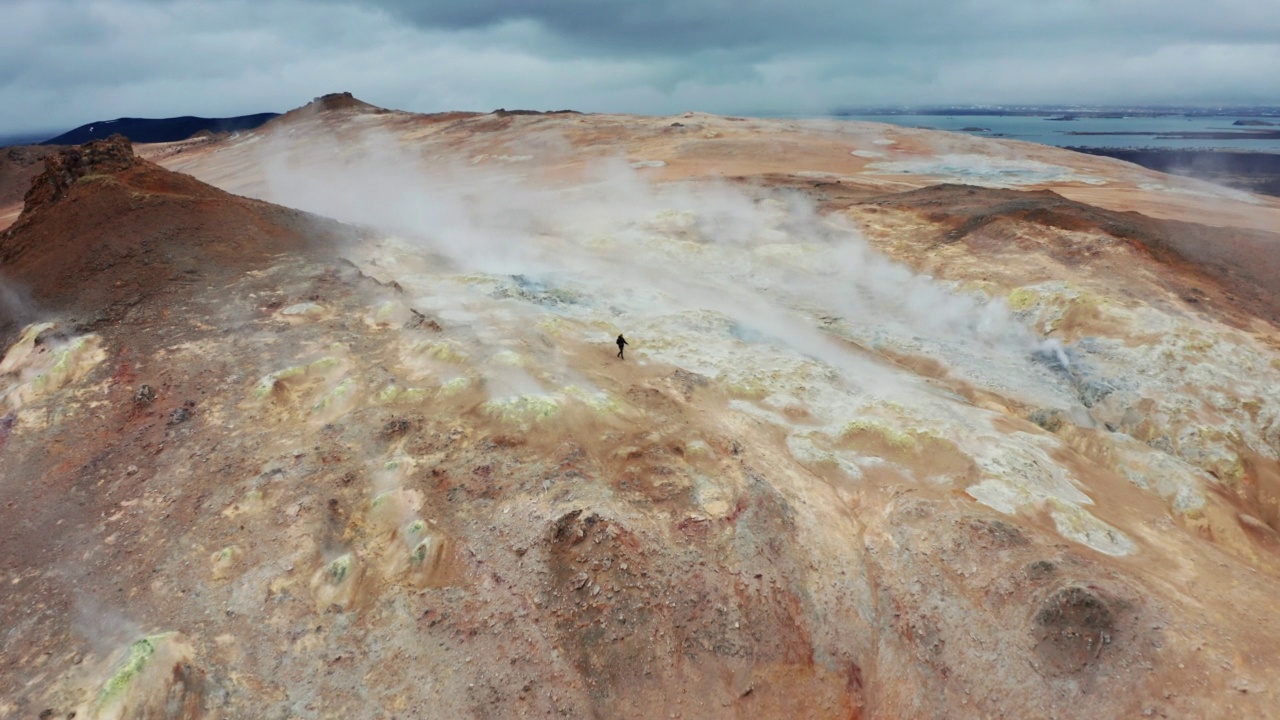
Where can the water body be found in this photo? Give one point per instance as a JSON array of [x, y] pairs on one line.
[[1055, 132], [25, 138]]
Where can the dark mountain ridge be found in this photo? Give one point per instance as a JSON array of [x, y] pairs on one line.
[[151, 130]]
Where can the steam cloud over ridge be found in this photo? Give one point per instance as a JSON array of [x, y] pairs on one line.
[[766, 259]]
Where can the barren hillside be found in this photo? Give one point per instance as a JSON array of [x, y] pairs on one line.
[[910, 425]]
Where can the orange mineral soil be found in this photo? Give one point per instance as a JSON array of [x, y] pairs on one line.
[[324, 420]]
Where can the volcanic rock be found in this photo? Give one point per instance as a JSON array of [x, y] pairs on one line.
[[101, 229]]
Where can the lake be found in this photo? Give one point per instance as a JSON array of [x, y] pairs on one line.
[[1054, 132]]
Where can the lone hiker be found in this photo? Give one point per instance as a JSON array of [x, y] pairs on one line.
[[621, 342]]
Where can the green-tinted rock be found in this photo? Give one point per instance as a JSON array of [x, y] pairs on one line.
[[523, 410], [338, 570], [140, 654]]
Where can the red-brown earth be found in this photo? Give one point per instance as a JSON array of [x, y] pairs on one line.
[[260, 464]]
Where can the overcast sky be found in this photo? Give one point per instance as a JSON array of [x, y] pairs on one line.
[[67, 62]]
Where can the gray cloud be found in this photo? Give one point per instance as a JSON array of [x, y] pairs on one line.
[[74, 61], [683, 26], [661, 26]]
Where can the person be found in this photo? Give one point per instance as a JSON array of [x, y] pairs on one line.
[[621, 342]]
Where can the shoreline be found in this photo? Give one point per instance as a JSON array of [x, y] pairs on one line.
[[1183, 135], [1249, 170]]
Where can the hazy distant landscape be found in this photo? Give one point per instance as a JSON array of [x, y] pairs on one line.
[[1185, 129], [1253, 129], [1237, 147], [25, 138]]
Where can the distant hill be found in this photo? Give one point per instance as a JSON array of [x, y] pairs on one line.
[[147, 130]]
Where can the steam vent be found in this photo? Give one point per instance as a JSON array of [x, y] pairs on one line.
[[326, 420]]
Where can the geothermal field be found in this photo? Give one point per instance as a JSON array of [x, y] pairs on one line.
[[325, 420]]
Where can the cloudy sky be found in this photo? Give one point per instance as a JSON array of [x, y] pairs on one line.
[[68, 62]]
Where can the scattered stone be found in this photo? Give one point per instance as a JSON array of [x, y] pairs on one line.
[[145, 395], [1041, 569], [396, 427], [688, 382], [563, 522], [418, 321], [338, 570], [1050, 420], [996, 533], [1093, 391]]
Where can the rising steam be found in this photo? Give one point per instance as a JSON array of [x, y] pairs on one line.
[[764, 258]]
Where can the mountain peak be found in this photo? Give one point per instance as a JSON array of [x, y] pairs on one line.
[[342, 101]]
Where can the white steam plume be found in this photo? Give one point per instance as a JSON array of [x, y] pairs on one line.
[[764, 259]]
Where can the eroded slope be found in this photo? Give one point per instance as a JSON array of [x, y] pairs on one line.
[[854, 465]]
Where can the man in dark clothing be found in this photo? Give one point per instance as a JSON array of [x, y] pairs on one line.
[[621, 342]]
